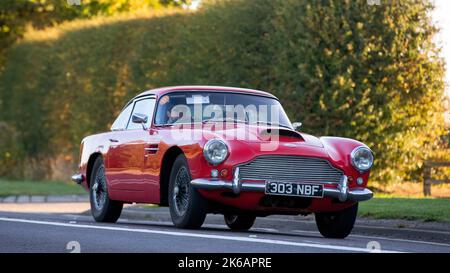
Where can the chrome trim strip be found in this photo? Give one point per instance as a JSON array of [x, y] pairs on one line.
[[207, 184], [342, 192], [263, 181]]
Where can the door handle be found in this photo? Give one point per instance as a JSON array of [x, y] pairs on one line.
[[113, 140]]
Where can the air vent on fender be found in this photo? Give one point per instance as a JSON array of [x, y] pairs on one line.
[[273, 133]]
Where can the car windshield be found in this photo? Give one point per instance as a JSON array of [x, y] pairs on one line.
[[195, 107]]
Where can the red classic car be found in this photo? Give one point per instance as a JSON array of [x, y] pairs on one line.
[[233, 151]]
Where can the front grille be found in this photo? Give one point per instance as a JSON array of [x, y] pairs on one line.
[[290, 169]]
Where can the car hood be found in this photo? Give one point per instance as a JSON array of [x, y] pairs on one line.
[[257, 143], [246, 142], [251, 134]]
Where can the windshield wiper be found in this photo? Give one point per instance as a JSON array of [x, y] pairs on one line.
[[223, 119], [246, 122]]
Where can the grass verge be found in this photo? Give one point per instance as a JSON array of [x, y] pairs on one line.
[[425, 209], [385, 207], [8, 188]]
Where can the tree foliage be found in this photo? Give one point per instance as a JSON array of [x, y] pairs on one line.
[[11, 152], [16, 15], [343, 68]]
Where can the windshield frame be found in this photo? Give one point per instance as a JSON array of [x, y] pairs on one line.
[[290, 126]]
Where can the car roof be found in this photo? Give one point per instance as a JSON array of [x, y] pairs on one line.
[[158, 92]]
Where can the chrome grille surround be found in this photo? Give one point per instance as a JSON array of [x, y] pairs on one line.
[[290, 169]]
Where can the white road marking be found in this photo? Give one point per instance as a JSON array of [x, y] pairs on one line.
[[297, 231], [363, 226], [381, 238], [406, 229], [401, 240], [266, 229], [196, 235]]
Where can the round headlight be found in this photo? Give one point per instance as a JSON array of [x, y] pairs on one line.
[[215, 151], [362, 158]]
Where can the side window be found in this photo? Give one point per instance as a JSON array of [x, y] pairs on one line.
[[122, 120], [146, 107]]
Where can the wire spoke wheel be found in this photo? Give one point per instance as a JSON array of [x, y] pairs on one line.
[[103, 209], [187, 207], [99, 189], [181, 191]]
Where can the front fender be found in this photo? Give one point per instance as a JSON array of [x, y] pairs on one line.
[[95, 144], [339, 150]]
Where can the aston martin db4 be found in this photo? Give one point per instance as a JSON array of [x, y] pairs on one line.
[[222, 150]]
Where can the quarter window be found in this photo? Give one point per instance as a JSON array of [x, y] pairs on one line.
[[122, 120]]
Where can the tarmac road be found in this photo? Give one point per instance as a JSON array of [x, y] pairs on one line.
[[62, 232]]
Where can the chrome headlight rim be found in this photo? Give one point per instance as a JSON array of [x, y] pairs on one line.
[[208, 145], [353, 156]]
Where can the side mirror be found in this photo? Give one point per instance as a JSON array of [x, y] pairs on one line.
[[140, 119], [296, 125]]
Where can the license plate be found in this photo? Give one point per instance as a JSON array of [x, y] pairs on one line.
[[294, 189]]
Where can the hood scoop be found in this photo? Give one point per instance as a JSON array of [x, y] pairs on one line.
[[271, 133]]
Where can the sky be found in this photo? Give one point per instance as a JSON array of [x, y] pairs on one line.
[[195, 4], [441, 17]]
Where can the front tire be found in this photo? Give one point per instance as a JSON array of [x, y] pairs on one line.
[[103, 209], [239, 221], [337, 224], [188, 208]]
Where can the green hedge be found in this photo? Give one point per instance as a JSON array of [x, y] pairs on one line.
[[341, 67]]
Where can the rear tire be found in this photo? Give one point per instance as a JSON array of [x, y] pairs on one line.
[[239, 221], [188, 208], [103, 209], [337, 224]]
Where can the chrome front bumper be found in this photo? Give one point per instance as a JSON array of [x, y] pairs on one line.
[[341, 192], [77, 178]]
